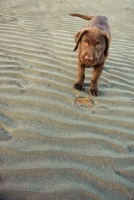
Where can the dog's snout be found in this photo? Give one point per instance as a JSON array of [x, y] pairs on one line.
[[89, 58]]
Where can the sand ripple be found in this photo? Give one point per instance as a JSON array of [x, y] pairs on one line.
[[50, 147]]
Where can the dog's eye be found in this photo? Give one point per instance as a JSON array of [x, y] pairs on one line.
[[85, 43], [98, 46]]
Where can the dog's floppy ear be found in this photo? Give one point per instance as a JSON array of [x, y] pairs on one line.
[[78, 36], [108, 41]]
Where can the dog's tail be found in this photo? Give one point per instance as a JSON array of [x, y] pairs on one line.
[[81, 16]]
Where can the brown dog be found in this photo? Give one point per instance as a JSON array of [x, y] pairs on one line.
[[93, 44]]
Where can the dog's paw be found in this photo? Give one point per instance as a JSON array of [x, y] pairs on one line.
[[78, 86], [94, 92]]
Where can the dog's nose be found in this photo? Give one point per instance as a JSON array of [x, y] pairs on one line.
[[89, 58]]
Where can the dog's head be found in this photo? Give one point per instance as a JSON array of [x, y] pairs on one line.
[[92, 43]]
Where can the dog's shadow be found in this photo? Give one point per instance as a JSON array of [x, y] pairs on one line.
[[86, 87]]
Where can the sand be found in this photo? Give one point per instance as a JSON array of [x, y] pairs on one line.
[[51, 148]]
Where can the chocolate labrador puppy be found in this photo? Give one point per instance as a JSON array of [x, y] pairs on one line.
[[93, 45]]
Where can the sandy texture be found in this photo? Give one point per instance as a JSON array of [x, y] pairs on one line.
[[51, 148]]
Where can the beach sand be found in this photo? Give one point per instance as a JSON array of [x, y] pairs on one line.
[[51, 148]]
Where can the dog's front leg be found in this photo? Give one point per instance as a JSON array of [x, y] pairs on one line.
[[94, 81], [81, 76]]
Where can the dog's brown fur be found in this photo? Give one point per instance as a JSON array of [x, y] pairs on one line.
[[93, 47]]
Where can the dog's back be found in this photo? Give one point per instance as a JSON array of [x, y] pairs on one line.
[[100, 22]]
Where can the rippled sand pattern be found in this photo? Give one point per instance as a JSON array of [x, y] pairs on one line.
[[51, 148]]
